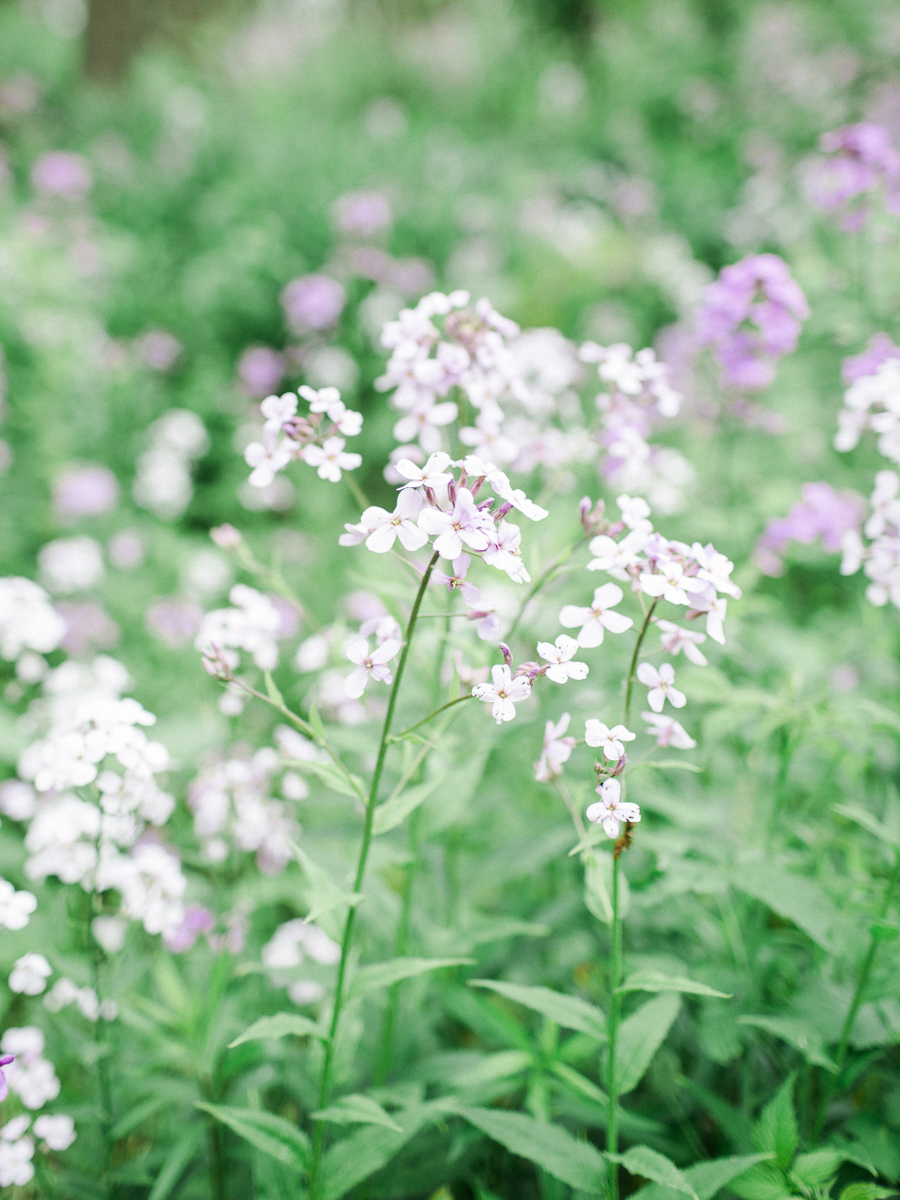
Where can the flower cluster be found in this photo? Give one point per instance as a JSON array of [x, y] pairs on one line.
[[234, 809], [861, 161], [318, 438], [751, 317], [252, 624], [880, 559], [28, 621], [163, 481], [32, 1078], [872, 401], [822, 513], [290, 945]]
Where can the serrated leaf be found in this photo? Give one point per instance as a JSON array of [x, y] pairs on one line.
[[175, 1163], [569, 1011], [641, 1160], [706, 1178], [797, 1034], [762, 1182], [554, 1149], [640, 1036], [365, 1151], [382, 975], [776, 1130], [357, 1109], [322, 894], [266, 1131], [656, 981], [272, 691], [816, 1168], [278, 1026], [398, 807]]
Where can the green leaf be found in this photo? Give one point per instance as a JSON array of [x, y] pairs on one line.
[[776, 1129], [316, 725], [176, 1162], [266, 1131], [794, 897], [641, 1160], [656, 981], [398, 807], [669, 765], [577, 1163], [332, 777], [279, 1026], [762, 1182], [578, 1083], [817, 1168], [640, 1036], [706, 1178], [884, 832], [797, 1034], [382, 975], [322, 894], [866, 1191], [569, 1011], [354, 1158], [501, 1065], [272, 691], [598, 887], [356, 1109]]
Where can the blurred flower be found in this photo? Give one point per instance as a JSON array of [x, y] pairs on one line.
[[110, 933], [60, 173], [862, 161], [19, 93], [362, 213], [174, 621], [85, 491], [58, 1130], [196, 920], [70, 565], [261, 370], [28, 621], [668, 732], [823, 512], [312, 302], [89, 628], [125, 550], [557, 750], [163, 482], [374, 664], [662, 686], [251, 624], [15, 907], [159, 349], [30, 974]]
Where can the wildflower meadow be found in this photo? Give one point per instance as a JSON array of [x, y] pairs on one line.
[[449, 645]]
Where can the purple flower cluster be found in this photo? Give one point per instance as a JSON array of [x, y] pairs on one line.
[[823, 512], [862, 161], [878, 351], [751, 316]]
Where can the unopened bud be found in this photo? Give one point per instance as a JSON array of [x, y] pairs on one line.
[[507, 654], [217, 665], [226, 537]]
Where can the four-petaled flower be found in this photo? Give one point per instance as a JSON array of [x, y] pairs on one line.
[[609, 741], [675, 639], [465, 525], [330, 458], [671, 582], [433, 475], [557, 750], [598, 617], [560, 655], [616, 557], [611, 810], [668, 731], [386, 527], [457, 581], [374, 664], [503, 694], [661, 685], [5, 1060]]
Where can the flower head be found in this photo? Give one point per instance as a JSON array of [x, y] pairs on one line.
[[374, 664], [609, 741], [504, 693], [556, 752], [661, 685], [598, 617], [560, 654], [330, 459], [668, 731], [611, 810]]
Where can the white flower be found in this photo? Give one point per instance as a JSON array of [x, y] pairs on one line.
[[28, 621], [616, 557], [252, 624], [715, 568], [853, 552], [503, 694], [16, 1167], [608, 740], [71, 564], [278, 409], [465, 525], [15, 907], [557, 750], [668, 732], [611, 810], [661, 685], [635, 512], [715, 608], [503, 551], [433, 475], [58, 1130], [374, 664], [266, 460], [13, 1130], [30, 974], [598, 617], [675, 639], [386, 527], [671, 582], [560, 655], [330, 458]]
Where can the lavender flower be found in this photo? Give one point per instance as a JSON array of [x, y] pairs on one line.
[[822, 513], [312, 302], [862, 162]]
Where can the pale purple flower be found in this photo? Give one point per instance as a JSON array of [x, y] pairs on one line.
[[823, 512], [670, 582], [560, 655], [503, 551], [386, 527], [330, 458], [464, 525], [89, 628], [662, 686], [504, 693], [616, 557], [5, 1061], [362, 213], [668, 731], [863, 161], [312, 302], [608, 741], [174, 621], [675, 639], [878, 351], [126, 550], [611, 810], [196, 920], [85, 491], [434, 474], [557, 751], [374, 664], [61, 173], [714, 608], [260, 370], [159, 349], [266, 459], [598, 618], [457, 581]]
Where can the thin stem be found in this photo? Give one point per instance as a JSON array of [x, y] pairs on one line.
[[615, 1003], [358, 494], [401, 946], [859, 992], [450, 703], [101, 1041], [347, 939], [633, 667], [543, 579]]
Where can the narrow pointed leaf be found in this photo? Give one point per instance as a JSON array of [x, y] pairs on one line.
[[797, 1034], [365, 1151], [641, 1160], [397, 808], [777, 1129], [640, 1036], [266, 1131], [706, 1178], [382, 975], [357, 1110], [279, 1026], [176, 1163], [554, 1149], [656, 981], [569, 1011]]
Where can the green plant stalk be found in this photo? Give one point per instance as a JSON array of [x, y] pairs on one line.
[[862, 982], [634, 658], [431, 716], [365, 844], [612, 1025], [543, 579]]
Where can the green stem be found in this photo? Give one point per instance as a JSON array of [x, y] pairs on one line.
[[347, 939], [859, 992], [615, 1003], [450, 703], [633, 667], [401, 946], [543, 579], [358, 494]]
